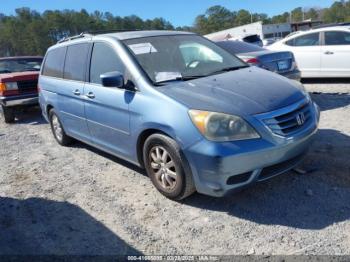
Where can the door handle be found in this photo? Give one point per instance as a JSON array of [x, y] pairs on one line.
[[76, 92], [90, 95], [328, 53]]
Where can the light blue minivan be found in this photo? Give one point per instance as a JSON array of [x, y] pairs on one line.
[[194, 116]]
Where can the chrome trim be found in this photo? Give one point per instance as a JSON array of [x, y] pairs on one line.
[[264, 118], [19, 102], [283, 110]]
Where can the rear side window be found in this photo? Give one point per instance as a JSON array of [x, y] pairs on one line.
[[54, 62], [74, 67], [104, 59], [252, 39], [337, 38], [305, 40]]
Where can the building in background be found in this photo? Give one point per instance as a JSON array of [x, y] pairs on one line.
[[258, 28], [305, 25], [269, 31]]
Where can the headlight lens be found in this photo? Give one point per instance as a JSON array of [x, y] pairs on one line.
[[222, 127], [11, 86]]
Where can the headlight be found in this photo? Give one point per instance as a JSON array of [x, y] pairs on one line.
[[222, 127], [11, 86]]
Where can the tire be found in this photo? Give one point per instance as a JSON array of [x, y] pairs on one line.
[[169, 172], [57, 129], [9, 114]]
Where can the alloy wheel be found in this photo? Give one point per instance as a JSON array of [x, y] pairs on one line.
[[163, 167]]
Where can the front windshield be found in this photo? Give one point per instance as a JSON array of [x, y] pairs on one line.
[[180, 57], [20, 65]]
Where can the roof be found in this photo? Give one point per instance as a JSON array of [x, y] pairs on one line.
[[139, 34], [316, 30], [122, 35], [20, 57]]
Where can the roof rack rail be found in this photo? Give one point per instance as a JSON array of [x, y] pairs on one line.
[[331, 25], [65, 39], [98, 32]]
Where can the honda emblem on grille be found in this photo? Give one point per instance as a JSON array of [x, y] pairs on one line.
[[300, 119]]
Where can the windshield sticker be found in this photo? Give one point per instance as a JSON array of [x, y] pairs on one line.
[[165, 76], [143, 48]]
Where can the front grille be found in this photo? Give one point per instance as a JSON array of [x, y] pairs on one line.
[[291, 122], [27, 85]]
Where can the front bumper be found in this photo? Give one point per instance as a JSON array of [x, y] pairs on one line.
[[221, 168], [19, 100]]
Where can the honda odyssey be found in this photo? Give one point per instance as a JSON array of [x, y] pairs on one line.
[[194, 116]]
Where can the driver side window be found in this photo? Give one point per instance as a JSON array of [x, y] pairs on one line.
[[104, 59]]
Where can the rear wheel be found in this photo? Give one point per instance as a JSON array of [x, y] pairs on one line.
[[9, 114], [165, 166], [57, 129]]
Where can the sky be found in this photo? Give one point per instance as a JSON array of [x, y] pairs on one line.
[[178, 12]]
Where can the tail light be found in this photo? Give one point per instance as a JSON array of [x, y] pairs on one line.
[[251, 60]]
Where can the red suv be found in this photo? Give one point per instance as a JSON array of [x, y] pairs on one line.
[[18, 83]]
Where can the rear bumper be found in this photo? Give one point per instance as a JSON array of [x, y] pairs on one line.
[[222, 168], [294, 75], [19, 100]]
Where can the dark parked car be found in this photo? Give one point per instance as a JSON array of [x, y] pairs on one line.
[[18, 83], [279, 62]]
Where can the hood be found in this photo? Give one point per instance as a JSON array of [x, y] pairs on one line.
[[246, 91], [19, 76]]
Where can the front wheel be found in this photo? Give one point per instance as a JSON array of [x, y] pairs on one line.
[[9, 114], [57, 129], [165, 165]]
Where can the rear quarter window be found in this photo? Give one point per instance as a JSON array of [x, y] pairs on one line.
[[54, 61]]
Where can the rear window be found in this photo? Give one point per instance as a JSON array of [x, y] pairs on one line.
[[54, 62], [74, 67], [252, 39], [237, 47]]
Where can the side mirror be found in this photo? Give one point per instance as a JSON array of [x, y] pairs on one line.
[[112, 79]]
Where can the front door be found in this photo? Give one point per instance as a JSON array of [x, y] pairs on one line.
[[336, 54], [106, 108]]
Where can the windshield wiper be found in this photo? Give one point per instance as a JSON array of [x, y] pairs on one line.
[[182, 78], [228, 69]]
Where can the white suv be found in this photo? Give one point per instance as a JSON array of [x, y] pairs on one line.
[[323, 52]]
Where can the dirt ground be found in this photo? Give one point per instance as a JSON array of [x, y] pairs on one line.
[[78, 200]]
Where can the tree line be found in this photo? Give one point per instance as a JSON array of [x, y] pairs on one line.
[[29, 32]]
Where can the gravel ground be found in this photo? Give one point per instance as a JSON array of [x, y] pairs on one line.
[[78, 200]]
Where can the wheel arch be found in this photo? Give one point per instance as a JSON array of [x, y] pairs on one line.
[[142, 139]]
